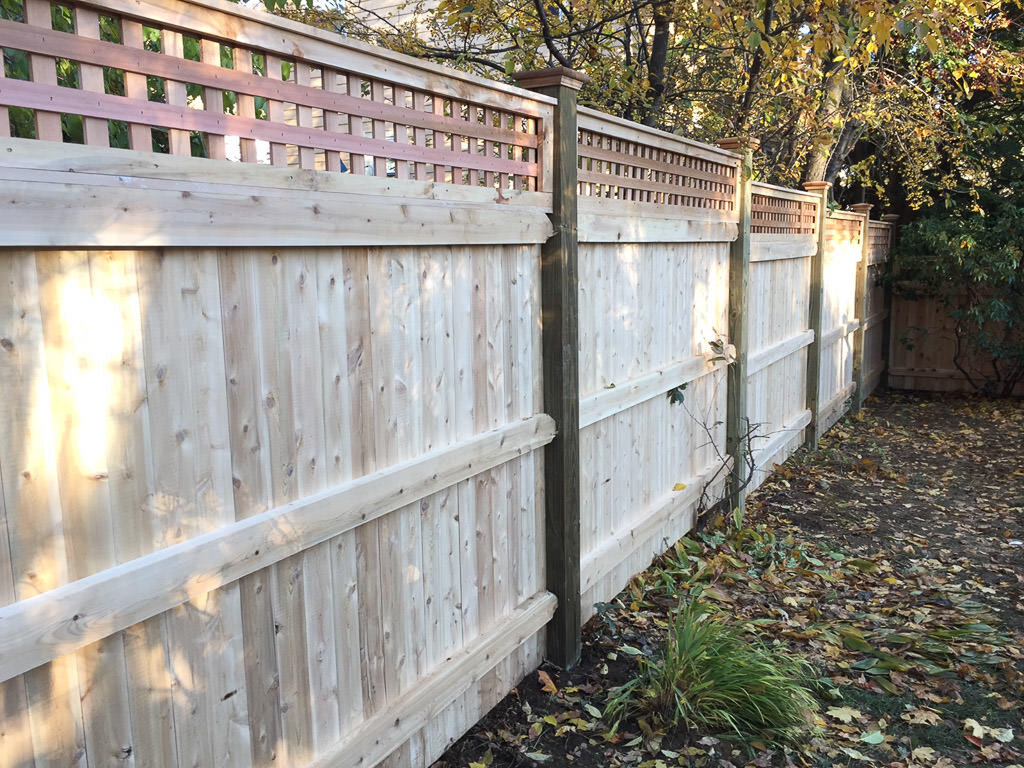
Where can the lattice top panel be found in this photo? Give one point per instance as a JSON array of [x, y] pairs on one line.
[[844, 228], [624, 161], [211, 79], [879, 241], [778, 211]]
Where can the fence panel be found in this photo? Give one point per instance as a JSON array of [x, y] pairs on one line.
[[783, 240], [657, 214], [185, 391], [842, 252]]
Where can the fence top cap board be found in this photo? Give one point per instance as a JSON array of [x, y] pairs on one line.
[[846, 215], [727, 157], [773, 190], [294, 32]]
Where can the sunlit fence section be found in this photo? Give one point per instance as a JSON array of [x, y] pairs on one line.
[[843, 250]]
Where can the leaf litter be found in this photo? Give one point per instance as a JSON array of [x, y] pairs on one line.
[[888, 559]]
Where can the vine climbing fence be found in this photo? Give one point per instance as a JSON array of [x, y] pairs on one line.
[[339, 387]]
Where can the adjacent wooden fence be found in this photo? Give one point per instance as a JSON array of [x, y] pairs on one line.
[[271, 432]]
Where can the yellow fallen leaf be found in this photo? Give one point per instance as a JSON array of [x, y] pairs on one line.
[[546, 683], [844, 714], [679, 487]]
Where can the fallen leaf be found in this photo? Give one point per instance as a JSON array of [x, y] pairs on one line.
[[854, 640], [546, 683], [873, 737], [925, 754], [922, 717], [844, 714], [716, 594]]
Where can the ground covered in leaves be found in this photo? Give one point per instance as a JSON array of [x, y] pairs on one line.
[[891, 559]]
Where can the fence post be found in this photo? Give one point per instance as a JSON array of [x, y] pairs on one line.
[[860, 304], [559, 318], [737, 421], [816, 308]]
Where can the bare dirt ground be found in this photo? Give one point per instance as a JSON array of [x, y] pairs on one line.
[[891, 559]]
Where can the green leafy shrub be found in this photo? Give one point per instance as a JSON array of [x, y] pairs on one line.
[[711, 678]]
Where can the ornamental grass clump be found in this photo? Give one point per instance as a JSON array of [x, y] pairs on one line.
[[711, 679]]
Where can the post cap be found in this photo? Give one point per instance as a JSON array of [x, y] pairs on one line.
[[862, 207], [542, 78], [740, 143], [817, 186], [892, 218]]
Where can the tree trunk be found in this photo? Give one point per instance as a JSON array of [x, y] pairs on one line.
[[848, 138], [753, 74], [825, 141], [656, 66]]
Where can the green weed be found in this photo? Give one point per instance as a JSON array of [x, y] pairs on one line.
[[711, 678]]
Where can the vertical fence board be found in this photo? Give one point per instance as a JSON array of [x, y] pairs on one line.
[[43, 69]]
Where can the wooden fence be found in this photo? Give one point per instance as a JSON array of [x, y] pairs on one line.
[[924, 349], [273, 488]]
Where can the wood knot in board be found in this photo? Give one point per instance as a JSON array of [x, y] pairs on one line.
[[7, 344]]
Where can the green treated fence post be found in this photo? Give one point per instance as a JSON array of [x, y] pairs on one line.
[[737, 419], [860, 305], [559, 318], [816, 307]]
